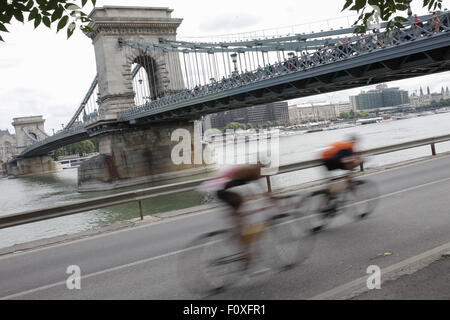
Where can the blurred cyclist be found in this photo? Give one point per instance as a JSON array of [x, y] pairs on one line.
[[231, 178], [340, 155]]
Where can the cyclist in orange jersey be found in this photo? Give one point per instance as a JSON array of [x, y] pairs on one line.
[[341, 155]]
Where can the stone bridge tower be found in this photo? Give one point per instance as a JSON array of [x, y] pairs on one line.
[[28, 130], [140, 154], [114, 62]]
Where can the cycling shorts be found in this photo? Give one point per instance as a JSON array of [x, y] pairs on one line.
[[231, 198]]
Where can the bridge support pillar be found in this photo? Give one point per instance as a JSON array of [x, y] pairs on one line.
[[34, 165], [138, 156]]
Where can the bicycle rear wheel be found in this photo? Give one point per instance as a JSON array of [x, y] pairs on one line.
[[211, 263], [290, 242], [362, 199]]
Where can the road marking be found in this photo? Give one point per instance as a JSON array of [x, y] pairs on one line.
[[211, 211], [416, 162], [124, 266], [107, 233], [90, 275], [183, 216], [360, 283]]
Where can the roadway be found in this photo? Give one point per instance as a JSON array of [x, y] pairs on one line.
[[141, 262]]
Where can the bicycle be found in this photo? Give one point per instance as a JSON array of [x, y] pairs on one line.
[[214, 261], [355, 198]]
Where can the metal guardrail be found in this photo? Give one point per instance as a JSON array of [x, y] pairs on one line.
[[143, 194]]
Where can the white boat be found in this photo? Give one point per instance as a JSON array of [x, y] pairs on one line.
[[370, 120], [72, 163]]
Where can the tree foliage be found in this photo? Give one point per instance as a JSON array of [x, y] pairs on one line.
[[353, 115], [80, 148], [386, 10], [62, 13]]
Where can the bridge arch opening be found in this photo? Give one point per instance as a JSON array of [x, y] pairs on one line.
[[153, 72], [147, 84], [33, 135]]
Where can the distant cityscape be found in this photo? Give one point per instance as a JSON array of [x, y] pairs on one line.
[[366, 102]]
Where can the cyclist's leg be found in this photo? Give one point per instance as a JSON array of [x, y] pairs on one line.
[[350, 164], [349, 159], [331, 164], [235, 200]]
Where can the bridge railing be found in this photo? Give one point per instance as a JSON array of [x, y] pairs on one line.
[[75, 128], [144, 194], [335, 51]]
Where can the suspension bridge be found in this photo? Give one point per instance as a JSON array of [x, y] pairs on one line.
[[147, 79]]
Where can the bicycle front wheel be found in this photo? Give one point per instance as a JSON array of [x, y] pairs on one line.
[[211, 263], [318, 210], [362, 199]]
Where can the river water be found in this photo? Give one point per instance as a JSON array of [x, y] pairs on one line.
[[40, 191]]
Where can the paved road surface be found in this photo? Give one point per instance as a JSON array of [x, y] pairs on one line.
[[140, 263]]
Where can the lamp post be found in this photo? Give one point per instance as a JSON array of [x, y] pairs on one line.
[[234, 59]]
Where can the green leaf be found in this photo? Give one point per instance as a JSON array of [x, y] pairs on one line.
[[21, 7], [348, 3], [83, 3], [401, 7], [46, 21], [37, 21], [18, 15], [86, 29], [359, 4], [400, 19], [57, 14], [7, 16], [71, 6], [360, 29], [30, 4], [430, 5], [62, 23], [3, 28], [71, 29], [94, 2], [33, 14]]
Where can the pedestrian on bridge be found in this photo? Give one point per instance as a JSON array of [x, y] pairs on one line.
[[436, 22]]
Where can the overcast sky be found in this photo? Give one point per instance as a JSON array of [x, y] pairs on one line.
[[42, 73]]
